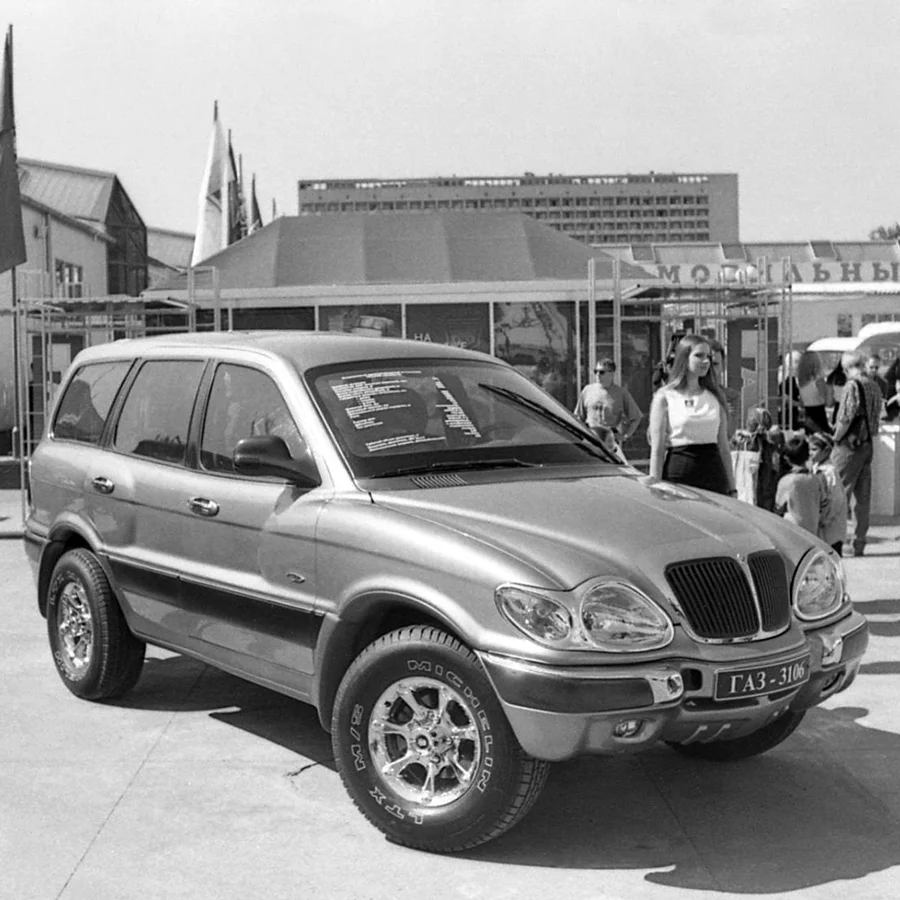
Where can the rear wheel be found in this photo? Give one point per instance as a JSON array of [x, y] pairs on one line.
[[424, 748], [766, 738], [96, 655]]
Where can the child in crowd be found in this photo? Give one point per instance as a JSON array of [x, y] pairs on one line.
[[801, 496], [766, 439], [833, 523]]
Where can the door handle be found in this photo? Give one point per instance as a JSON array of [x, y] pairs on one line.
[[203, 507], [103, 485]]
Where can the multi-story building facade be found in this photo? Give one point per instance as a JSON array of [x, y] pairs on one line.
[[595, 209]]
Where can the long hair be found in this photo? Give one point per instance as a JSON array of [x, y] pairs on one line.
[[809, 366], [678, 374]]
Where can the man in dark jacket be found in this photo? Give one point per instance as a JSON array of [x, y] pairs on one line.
[[855, 426]]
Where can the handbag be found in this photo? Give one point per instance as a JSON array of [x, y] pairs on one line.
[[746, 474]]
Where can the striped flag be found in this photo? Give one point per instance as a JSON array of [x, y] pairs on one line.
[[211, 235]]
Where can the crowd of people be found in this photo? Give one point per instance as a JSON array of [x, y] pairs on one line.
[[813, 466]]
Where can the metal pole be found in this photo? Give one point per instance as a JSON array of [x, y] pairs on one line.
[[592, 315], [617, 316]]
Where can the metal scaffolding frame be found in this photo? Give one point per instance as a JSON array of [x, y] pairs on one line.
[[740, 293], [49, 332]]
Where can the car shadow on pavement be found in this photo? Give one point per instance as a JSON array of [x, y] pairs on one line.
[[813, 811], [791, 819], [183, 685], [883, 616]]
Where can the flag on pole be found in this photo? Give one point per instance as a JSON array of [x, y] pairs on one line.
[[237, 217], [12, 235], [212, 215], [255, 215]]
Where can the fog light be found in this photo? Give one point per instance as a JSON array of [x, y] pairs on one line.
[[628, 728]]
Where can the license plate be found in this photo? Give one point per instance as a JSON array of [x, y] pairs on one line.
[[758, 680]]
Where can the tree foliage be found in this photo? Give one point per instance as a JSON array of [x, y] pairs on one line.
[[885, 232]]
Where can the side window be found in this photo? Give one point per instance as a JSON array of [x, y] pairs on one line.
[[85, 405], [157, 411], [243, 402]]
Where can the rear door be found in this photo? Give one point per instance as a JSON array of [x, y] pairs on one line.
[[141, 486]]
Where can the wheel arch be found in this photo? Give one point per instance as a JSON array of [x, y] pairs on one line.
[[343, 637], [63, 538]]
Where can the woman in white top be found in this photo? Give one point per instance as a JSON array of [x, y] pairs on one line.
[[688, 423]]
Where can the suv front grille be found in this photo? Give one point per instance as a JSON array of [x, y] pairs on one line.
[[717, 600]]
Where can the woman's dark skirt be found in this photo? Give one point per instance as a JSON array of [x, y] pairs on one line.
[[816, 419], [696, 465]]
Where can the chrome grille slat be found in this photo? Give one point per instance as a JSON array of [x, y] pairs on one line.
[[771, 582], [716, 598]]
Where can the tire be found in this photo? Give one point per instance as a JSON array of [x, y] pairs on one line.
[[423, 747], [96, 655], [766, 738]]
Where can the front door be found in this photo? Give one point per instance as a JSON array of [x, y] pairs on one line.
[[250, 575]]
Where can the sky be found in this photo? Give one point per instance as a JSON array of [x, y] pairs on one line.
[[800, 99]]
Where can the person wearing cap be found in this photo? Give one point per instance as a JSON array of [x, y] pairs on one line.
[[608, 407]]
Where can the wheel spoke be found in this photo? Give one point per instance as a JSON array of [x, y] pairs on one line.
[[409, 698], [463, 775], [464, 732], [394, 768], [428, 788], [388, 727]]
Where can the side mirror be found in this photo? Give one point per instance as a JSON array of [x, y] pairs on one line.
[[268, 454]]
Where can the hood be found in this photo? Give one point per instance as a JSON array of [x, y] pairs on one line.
[[570, 529]]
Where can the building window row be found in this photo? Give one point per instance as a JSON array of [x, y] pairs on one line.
[[584, 203]]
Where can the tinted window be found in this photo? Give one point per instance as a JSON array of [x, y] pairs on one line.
[[244, 402], [86, 403], [157, 411]]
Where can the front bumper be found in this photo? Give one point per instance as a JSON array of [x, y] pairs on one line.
[[558, 713]]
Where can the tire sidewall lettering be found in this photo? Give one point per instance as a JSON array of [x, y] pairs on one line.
[[359, 761]]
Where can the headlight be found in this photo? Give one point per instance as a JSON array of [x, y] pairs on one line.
[[818, 588], [539, 616], [611, 615], [618, 617]]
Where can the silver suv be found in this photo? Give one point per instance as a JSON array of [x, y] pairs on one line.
[[429, 549]]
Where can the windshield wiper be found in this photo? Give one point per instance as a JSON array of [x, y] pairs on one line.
[[579, 432], [445, 465]]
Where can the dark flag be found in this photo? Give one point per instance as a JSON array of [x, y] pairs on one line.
[[237, 217], [12, 236], [255, 215]]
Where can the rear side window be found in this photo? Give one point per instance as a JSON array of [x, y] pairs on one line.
[[85, 405], [156, 414]]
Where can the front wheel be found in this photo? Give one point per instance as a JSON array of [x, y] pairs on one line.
[[766, 738], [424, 748], [96, 655]]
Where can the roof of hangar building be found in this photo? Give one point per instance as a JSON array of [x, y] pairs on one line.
[[80, 193], [171, 248], [406, 248]]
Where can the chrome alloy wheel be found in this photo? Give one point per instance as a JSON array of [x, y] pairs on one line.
[[425, 741], [76, 633]]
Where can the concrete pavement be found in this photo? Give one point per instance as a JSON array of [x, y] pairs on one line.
[[199, 785]]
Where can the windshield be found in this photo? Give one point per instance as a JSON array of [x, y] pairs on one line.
[[394, 417]]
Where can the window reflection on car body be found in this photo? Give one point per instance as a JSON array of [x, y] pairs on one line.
[[571, 427], [505, 463]]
